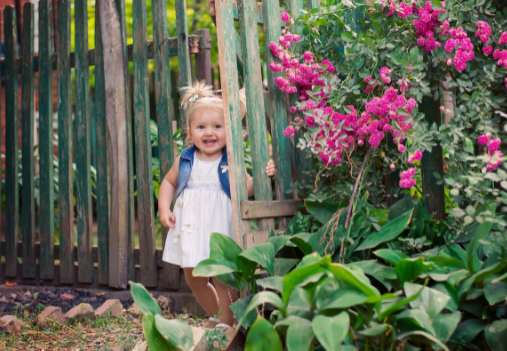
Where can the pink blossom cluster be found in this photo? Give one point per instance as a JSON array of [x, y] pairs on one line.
[[426, 25], [406, 178], [416, 156], [493, 155], [501, 56], [503, 39], [483, 31]]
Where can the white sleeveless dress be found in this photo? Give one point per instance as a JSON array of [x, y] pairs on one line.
[[201, 208]]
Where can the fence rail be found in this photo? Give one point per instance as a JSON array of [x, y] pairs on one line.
[[115, 259]]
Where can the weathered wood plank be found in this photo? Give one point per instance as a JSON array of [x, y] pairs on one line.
[[240, 59], [83, 139], [313, 4], [255, 106], [27, 138], [269, 209], [203, 57], [165, 115], [252, 239], [256, 12], [65, 187], [184, 68], [102, 182], [1, 132], [120, 6], [143, 148], [11, 142], [277, 107], [232, 112]]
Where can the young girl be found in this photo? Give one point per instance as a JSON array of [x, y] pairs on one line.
[[199, 179]]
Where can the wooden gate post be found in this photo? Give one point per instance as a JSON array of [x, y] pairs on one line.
[[203, 58]]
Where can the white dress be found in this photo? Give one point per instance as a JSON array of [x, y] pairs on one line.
[[201, 208]]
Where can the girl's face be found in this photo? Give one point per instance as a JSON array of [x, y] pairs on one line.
[[207, 130]]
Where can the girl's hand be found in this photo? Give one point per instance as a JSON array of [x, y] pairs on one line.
[[270, 169], [167, 219]]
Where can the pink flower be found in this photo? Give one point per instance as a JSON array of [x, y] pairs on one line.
[[324, 157], [483, 31], [276, 67], [401, 148], [367, 79], [289, 131], [309, 105], [292, 109], [503, 38], [308, 56], [384, 75], [416, 156], [483, 139], [404, 10], [295, 38], [493, 145], [494, 160], [310, 121], [392, 166], [487, 50], [409, 173], [408, 183], [285, 17]]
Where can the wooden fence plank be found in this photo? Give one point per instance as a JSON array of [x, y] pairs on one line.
[[269, 209], [203, 58], [120, 6], [277, 107], [184, 68], [65, 187], [47, 197], [27, 137], [143, 148], [165, 115], [255, 106], [256, 12], [83, 139], [313, 4], [102, 184], [232, 112], [11, 142], [1, 131]]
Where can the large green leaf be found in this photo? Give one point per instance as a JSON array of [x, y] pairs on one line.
[[430, 300], [212, 268], [143, 299], [299, 304], [324, 241], [284, 265], [323, 211], [408, 269], [400, 207], [262, 298], [480, 232], [445, 325], [431, 338], [396, 305], [224, 250], [330, 331], [449, 290], [262, 336], [496, 335], [495, 292], [419, 318], [239, 307], [375, 330], [176, 331], [300, 336], [279, 241], [299, 275], [274, 283], [353, 278], [340, 298], [156, 341], [389, 232], [390, 256], [468, 330], [486, 272], [262, 254], [301, 241]]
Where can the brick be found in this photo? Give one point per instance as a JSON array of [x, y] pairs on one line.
[[109, 308], [81, 312], [10, 324], [51, 313]]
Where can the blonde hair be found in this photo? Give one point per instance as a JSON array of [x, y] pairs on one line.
[[200, 96]]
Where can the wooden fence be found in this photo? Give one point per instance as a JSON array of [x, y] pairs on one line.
[[36, 257]]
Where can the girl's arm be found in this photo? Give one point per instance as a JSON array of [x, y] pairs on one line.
[[166, 195], [270, 171]]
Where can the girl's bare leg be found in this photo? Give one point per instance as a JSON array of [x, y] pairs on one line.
[[226, 296], [204, 292]]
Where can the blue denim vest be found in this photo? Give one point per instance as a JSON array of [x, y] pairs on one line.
[[186, 163]]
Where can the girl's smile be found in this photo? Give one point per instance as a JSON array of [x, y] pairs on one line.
[[207, 130]]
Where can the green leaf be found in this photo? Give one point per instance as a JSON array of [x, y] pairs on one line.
[[353, 278], [390, 256], [380, 215], [445, 324], [284, 265], [262, 298], [470, 146], [376, 330], [299, 275], [299, 303], [211, 268], [176, 331], [300, 336], [418, 317], [262, 254], [346, 36], [262, 336], [403, 112], [323, 211], [389, 232], [274, 283], [408, 269], [496, 335], [239, 307], [279, 241], [156, 341], [468, 330], [496, 292], [341, 298], [330, 331], [436, 5], [224, 250], [430, 300], [486, 272], [456, 212], [480, 232], [143, 299], [397, 306], [301, 241], [423, 334]]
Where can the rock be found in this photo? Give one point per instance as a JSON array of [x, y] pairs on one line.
[[234, 340], [81, 311], [199, 336], [67, 297], [28, 294], [141, 346], [51, 313], [109, 308], [134, 311], [51, 295], [165, 303], [3, 299], [10, 324]]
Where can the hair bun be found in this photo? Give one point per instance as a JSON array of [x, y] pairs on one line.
[[195, 92]]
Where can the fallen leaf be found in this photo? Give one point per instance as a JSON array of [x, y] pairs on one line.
[[8, 283], [67, 297]]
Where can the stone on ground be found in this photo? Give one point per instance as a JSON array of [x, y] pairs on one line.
[[81, 311], [199, 336], [165, 303], [51, 313], [134, 310], [10, 324], [109, 308], [235, 340], [141, 346]]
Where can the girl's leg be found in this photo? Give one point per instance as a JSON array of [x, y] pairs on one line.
[[226, 296], [204, 293]]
